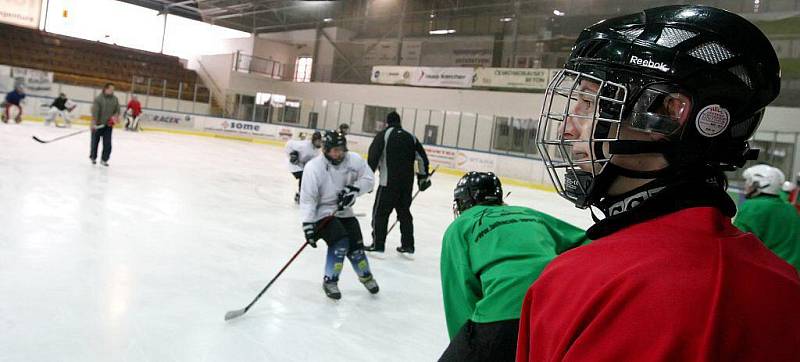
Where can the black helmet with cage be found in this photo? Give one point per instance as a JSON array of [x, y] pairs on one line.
[[695, 78], [333, 139]]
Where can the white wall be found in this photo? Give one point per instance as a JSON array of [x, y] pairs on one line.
[[218, 67], [281, 52], [475, 101], [244, 45], [306, 40], [483, 102]]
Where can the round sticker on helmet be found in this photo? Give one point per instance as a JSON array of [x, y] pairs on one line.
[[713, 120]]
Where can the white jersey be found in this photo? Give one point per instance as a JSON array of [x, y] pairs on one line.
[[306, 151], [322, 182]]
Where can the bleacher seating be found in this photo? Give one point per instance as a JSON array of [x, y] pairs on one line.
[[88, 63]]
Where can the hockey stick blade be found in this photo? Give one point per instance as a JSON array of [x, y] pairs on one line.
[[235, 314], [239, 312], [37, 139]]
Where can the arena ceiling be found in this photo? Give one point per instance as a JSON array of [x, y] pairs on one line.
[[278, 15]]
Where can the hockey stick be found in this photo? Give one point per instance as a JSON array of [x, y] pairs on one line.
[[239, 312], [412, 201], [37, 139]]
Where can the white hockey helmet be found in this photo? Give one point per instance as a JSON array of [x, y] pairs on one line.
[[788, 186], [763, 179]]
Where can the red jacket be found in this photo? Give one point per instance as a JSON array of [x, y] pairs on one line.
[[686, 286], [135, 107]]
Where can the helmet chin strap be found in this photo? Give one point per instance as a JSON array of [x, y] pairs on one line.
[[591, 190]]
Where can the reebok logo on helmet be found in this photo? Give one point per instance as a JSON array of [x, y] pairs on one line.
[[648, 63]]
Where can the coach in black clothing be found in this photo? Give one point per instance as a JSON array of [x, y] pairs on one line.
[[394, 153]]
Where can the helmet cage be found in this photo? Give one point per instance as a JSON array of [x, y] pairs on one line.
[[606, 115]]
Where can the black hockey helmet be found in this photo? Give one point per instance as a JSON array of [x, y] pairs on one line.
[[333, 139], [316, 139], [638, 65], [477, 188], [344, 128]]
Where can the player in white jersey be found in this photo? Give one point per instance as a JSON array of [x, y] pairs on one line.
[[331, 184], [300, 152]]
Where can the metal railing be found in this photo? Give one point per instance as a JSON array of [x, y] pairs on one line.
[[252, 64], [164, 95]]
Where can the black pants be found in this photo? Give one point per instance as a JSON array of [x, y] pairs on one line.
[[495, 341], [105, 134], [339, 228], [388, 199], [299, 176]]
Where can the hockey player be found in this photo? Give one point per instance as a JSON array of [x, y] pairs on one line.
[[61, 106], [344, 128], [105, 110], [13, 100], [394, 152], [491, 254], [132, 114], [331, 184], [767, 215], [651, 109], [299, 153]]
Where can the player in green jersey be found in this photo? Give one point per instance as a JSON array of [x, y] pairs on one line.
[[767, 215], [491, 254]]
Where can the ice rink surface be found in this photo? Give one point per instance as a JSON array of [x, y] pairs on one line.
[[140, 261]]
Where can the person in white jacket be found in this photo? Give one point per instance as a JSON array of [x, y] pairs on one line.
[[299, 153], [331, 183]]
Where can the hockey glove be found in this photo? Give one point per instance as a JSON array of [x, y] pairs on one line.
[[309, 229], [423, 182], [347, 197], [294, 157]]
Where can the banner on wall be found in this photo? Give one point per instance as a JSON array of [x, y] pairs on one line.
[[521, 78], [463, 77], [167, 119], [444, 77], [393, 75], [423, 76], [241, 128], [475, 161], [441, 156], [21, 12], [33, 80]]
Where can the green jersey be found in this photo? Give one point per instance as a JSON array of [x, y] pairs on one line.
[[490, 257], [775, 222]]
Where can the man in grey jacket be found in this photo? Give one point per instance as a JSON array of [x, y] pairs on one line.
[[105, 111]]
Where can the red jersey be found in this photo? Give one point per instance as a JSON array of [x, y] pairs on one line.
[[686, 286], [135, 107]]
